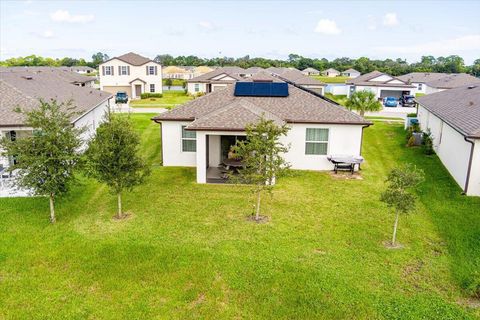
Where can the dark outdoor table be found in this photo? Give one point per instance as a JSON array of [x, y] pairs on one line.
[[232, 163]]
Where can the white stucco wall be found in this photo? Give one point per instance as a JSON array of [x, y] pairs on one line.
[[92, 120], [202, 87], [377, 90], [172, 145], [453, 150], [135, 72], [343, 140]]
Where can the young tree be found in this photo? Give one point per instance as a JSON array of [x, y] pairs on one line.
[[363, 101], [168, 83], [261, 153], [398, 194], [113, 157], [46, 160]]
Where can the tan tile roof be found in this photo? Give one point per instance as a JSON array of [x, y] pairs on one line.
[[17, 90], [459, 107], [223, 110]]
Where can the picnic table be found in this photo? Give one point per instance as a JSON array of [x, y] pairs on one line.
[[345, 162]]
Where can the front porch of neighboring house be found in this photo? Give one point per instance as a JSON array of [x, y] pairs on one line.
[[213, 148], [8, 186], [138, 86]]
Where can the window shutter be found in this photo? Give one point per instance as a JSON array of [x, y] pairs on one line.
[[103, 70], [128, 70], [119, 70], [155, 70], [112, 68], [147, 69]]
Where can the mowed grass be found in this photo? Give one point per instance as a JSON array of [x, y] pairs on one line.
[[188, 252], [169, 100], [326, 79], [340, 99]]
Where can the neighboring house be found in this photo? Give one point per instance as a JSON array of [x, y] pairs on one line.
[[131, 73], [64, 72], [23, 89], [252, 70], [82, 69], [431, 82], [200, 133], [184, 72], [214, 80], [310, 72], [453, 118], [382, 84], [330, 73], [351, 73], [297, 78]]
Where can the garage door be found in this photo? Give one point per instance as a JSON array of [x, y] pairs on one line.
[[390, 93], [115, 89]]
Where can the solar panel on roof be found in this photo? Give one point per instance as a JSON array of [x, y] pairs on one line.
[[261, 89]]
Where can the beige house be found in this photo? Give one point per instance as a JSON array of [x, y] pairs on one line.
[[184, 73], [131, 73], [331, 72]]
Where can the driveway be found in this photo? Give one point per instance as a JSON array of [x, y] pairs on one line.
[[398, 112], [125, 108]]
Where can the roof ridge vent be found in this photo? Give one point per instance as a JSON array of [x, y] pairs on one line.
[[28, 77], [472, 87]]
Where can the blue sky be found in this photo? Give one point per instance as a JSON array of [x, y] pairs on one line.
[[273, 29]]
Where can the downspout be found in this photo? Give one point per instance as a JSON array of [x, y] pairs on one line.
[[361, 140], [469, 169]]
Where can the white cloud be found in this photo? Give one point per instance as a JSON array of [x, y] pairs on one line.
[[207, 25], [390, 20], [440, 47], [327, 26], [65, 16]]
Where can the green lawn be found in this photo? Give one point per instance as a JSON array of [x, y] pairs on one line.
[[331, 79], [340, 99], [188, 252], [169, 100]]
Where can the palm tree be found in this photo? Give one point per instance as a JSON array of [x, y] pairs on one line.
[[363, 101]]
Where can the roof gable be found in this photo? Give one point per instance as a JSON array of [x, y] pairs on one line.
[[132, 59]]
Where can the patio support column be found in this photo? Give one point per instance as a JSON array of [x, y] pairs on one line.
[[201, 157]]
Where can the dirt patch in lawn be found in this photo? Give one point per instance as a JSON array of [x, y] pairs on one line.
[[346, 176], [261, 219], [389, 245], [124, 216]]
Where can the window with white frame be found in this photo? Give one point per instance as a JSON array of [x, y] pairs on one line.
[[316, 141], [108, 70], [123, 70], [189, 140], [197, 87], [151, 69], [152, 87]]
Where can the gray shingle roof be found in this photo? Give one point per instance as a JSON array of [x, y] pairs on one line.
[[132, 59], [222, 110], [453, 81], [310, 69], [459, 107], [350, 70], [297, 77], [18, 91], [421, 77], [365, 80], [65, 72], [207, 77]]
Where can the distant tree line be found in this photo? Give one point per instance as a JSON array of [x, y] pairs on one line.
[[449, 64]]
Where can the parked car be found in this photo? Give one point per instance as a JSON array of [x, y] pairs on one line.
[[121, 97], [390, 102], [407, 101]]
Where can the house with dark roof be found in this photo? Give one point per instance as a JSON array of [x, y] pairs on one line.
[[131, 73], [380, 83], [21, 88], [453, 118], [200, 133], [431, 82], [351, 73]]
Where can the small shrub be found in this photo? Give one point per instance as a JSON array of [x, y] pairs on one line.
[[413, 128], [147, 95], [411, 141], [427, 143], [412, 115]]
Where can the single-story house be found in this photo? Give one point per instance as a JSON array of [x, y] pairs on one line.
[[184, 72], [330, 72], [431, 82], [382, 84], [351, 73], [453, 118], [81, 69], [214, 80], [200, 133], [297, 78], [310, 72], [66, 73], [24, 89]]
